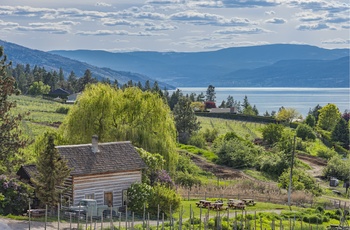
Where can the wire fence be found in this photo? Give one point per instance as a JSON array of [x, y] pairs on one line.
[[206, 219]]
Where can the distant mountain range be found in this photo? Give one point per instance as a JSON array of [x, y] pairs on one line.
[[279, 65], [22, 55]]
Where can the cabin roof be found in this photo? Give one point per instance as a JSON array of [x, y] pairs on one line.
[[110, 157]]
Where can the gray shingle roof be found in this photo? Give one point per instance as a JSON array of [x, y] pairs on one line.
[[112, 157]]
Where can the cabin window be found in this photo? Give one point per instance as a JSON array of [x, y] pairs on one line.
[[125, 197], [108, 199], [90, 196]]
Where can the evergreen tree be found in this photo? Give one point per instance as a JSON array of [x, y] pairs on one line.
[[185, 120], [315, 112], [246, 103], [72, 82], [175, 98], [52, 172], [340, 133], [223, 104], [310, 120], [147, 86], [230, 102], [210, 96], [200, 97], [10, 138]]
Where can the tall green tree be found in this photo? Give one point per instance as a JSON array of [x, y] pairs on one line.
[[210, 94], [11, 141], [287, 114], [52, 172], [185, 120], [123, 115], [340, 133], [328, 117], [272, 133]]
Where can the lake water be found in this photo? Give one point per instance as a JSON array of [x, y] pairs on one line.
[[271, 99]]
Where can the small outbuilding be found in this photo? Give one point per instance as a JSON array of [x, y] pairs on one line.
[[100, 171]]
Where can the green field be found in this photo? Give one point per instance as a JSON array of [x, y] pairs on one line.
[[244, 129]]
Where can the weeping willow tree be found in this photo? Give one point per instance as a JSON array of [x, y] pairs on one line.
[[119, 115]]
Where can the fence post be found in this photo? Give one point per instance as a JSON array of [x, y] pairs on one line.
[[45, 215], [200, 218], [29, 215], [101, 220], [58, 216], [255, 220], [126, 217], [144, 216], [162, 221], [158, 217], [132, 221]]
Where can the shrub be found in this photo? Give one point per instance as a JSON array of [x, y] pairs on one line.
[[164, 197], [62, 110], [305, 132], [187, 180], [197, 140], [138, 195], [313, 219], [210, 135], [15, 196]]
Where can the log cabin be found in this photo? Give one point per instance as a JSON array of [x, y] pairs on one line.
[[100, 171]]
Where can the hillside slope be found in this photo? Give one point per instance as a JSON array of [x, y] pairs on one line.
[[22, 55]]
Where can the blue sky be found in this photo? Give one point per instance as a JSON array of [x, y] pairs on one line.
[[173, 25]]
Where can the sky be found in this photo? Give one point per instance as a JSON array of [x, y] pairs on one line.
[[173, 25]]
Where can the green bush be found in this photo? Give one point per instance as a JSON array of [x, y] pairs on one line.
[[164, 197], [138, 196], [197, 140], [210, 135], [305, 132], [313, 219], [62, 110], [15, 196]]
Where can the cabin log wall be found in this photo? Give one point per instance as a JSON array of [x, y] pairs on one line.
[[98, 184]]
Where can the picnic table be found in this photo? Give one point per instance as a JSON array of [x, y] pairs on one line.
[[235, 204], [249, 202], [203, 204]]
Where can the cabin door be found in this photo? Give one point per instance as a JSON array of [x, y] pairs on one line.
[[108, 199]]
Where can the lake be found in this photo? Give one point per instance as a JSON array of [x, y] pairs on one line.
[[271, 99]]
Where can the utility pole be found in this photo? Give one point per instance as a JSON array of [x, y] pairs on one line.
[[291, 175]]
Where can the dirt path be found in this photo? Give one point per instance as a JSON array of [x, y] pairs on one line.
[[218, 170], [317, 165]]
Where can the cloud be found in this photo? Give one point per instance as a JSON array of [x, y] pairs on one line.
[[117, 32], [161, 27], [317, 26], [150, 15], [48, 29], [335, 18], [309, 17], [3, 23], [320, 5], [103, 4], [206, 4], [123, 22], [166, 2], [276, 21], [241, 30], [337, 41], [270, 12], [209, 19], [249, 3]]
